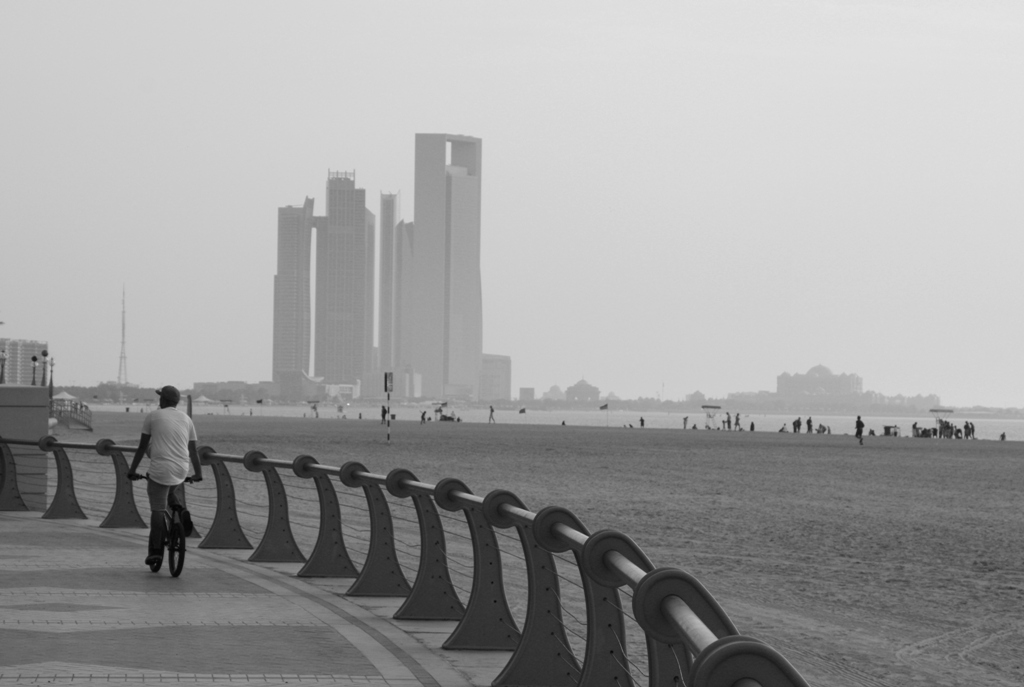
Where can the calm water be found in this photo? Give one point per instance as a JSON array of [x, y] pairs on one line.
[[986, 428]]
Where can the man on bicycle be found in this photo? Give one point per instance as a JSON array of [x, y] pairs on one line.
[[169, 439]]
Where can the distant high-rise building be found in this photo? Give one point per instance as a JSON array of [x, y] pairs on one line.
[[429, 326], [408, 383], [344, 284], [18, 366], [390, 216], [445, 316], [292, 297], [495, 378], [371, 358]]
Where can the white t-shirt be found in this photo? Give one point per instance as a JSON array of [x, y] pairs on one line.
[[169, 432]]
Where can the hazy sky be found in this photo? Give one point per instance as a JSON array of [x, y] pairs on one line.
[[676, 195]]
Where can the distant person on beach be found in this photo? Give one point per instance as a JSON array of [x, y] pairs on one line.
[[736, 422], [860, 430], [751, 426], [423, 418], [1002, 437], [383, 415], [641, 422], [169, 439], [796, 426], [686, 420], [728, 422], [810, 424], [490, 418]]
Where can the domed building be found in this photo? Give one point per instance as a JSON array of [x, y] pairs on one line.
[[582, 391], [818, 381]]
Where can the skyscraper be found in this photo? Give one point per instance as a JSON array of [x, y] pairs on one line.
[[292, 297], [445, 317], [344, 284], [18, 366], [371, 363], [407, 382], [390, 214]]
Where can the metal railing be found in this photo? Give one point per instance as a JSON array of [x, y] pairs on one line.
[[70, 412], [689, 638]]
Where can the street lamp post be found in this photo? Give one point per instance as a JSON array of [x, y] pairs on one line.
[[46, 354], [35, 362], [51, 377]]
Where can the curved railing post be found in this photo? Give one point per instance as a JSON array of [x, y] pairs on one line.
[[381, 575], [664, 667], [278, 545], [329, 557], [123, 512], [225, 532], [544, 656], [432, 596], [605, 661], [488, 623], [65, 504], [743, 662], [10, 496]]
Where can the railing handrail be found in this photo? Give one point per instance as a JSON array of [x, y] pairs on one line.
[[20, 442], [225, 457], [373, 477], [468, 499], [608, 557], [77, 445], [690, 627], [520, 515]]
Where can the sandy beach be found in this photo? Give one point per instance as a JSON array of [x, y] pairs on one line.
[[894, 563]]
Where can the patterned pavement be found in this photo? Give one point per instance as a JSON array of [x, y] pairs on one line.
[[78, 605]]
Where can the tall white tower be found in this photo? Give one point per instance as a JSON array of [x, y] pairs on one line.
[[122, 368]]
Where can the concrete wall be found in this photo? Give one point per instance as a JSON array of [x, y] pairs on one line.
[[24, 414]]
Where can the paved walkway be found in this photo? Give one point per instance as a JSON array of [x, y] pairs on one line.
[[77, 605]]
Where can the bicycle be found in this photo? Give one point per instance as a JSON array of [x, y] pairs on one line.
[[174, 539]]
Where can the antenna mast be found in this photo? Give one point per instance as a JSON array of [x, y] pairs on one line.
[[122, 368]]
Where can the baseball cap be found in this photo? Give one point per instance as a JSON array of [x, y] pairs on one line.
[[169, 394]]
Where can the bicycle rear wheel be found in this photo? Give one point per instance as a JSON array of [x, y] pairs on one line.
[[176, 548]]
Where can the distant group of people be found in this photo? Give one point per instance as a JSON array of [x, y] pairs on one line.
[[729, 424], [732, 422], [947, 430], [798, 424]]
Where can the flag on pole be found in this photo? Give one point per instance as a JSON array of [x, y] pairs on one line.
[[259, 401], [604, 407]]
